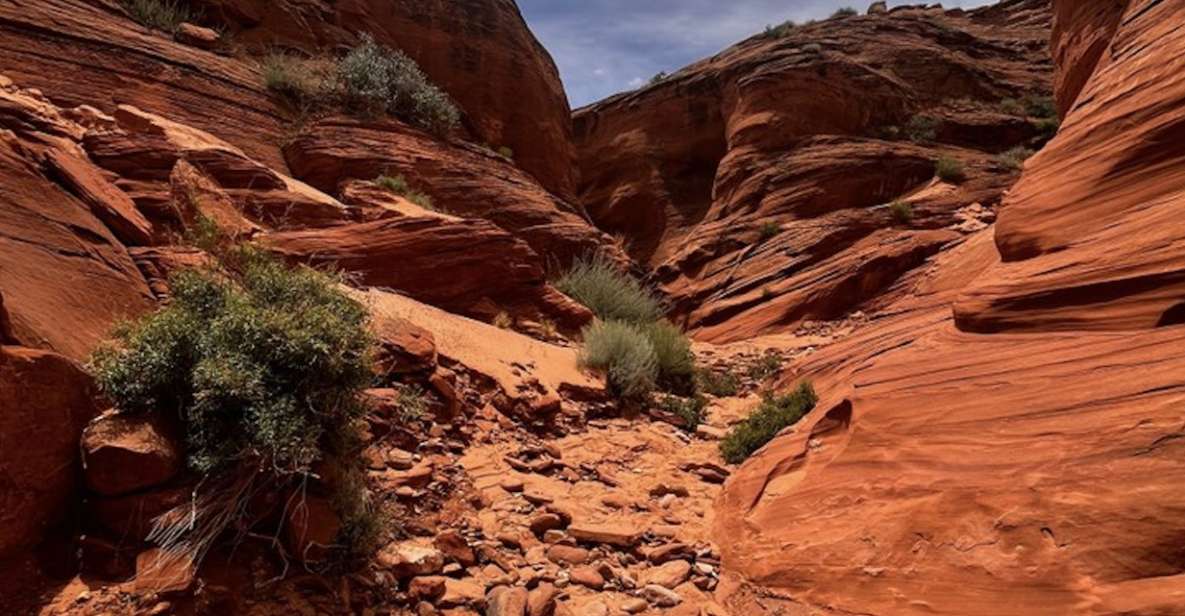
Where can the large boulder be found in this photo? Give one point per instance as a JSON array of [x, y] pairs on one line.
[[45, 400], [124, 453]]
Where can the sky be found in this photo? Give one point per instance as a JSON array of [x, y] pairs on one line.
[[606, 46]]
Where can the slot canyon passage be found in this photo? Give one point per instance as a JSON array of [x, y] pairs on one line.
[[336, 307]]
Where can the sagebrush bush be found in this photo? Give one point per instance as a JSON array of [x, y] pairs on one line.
[[1040, 106], [1046, 128], [624, 353], [609, 293], [398, 185], [370, 80], [261, 365], [846, 11], [901, 211], [1015, 157], [949, 169], [164, 15], [672, 352], [375, 79], [506, 152], [721, 384], [773, 415]]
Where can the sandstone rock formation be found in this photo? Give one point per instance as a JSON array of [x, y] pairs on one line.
[[773, 163], [1016, 453], [46, 401]]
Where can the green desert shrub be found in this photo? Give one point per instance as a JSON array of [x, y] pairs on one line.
[[370, 80], [624, 353], [690, 410], [773, 415], [672, 352], [766, 366], [949, 169], [901, 211], [768, 231], [922, 128], [719, 383], [1046, 127], [506, 152], [608, 292], [375, 79], [164, 15], [1039, 106], [1015, 157], [846, 11], [262, 365], [397, 184], [781, 30], [658, 78]]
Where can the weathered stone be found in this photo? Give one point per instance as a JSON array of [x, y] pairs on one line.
[[619, 535], [124, 453], [568, 555], [661, 596], [426, 588], [406, 560], [587, 576], [542, 600], [454, 547], [504, 601], [163, 573], [312, 528], [668, 575]]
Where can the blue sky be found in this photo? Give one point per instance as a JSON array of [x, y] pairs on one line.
[[606, 46]]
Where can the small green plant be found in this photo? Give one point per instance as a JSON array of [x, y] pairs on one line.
[[1012, 106], [901, 211], [689, 410], [949, 169], [722, 384], [672, 352], [1046, 127], [398, 185], [502, 320], [781, 30], [768, 231], [773, 415], [624, 353], [768, 365], [847, 11], [307, 83], [1015, 157], [1038, 106], [922, 128], [412, 404], [506, 152], [609, 293], [658, 78], [163, 15]]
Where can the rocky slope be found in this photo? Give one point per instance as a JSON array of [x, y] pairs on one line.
[[756, 183], [1003, 438], [998, 427]]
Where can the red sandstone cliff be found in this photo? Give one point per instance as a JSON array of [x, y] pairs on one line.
[[1018, 453], [756, 183]]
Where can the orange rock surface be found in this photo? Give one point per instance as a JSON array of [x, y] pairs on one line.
[[1004, 436]]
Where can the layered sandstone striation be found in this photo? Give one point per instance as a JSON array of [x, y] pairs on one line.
[[1002, 437], [771, 166]]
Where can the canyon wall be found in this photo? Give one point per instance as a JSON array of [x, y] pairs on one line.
[[757, 183], [1005, 437]]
